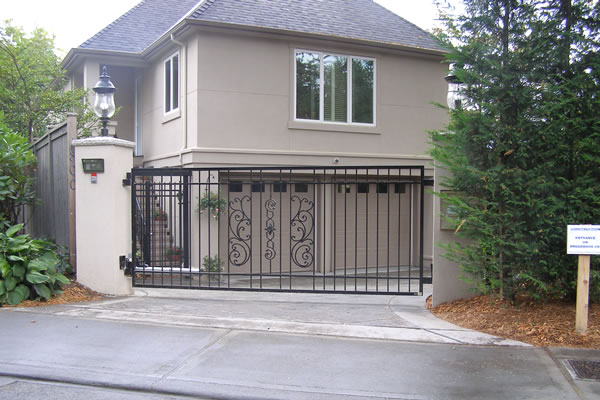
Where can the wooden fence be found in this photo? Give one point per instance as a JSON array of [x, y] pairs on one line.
[[53, 216]]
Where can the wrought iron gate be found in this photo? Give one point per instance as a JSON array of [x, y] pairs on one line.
[[298, 229]]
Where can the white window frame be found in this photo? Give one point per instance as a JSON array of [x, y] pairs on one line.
[[170, 94], [321, 119]]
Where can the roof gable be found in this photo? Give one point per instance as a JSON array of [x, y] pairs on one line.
[[364, 20]]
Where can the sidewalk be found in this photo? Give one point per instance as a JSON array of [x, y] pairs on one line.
[[239, 345], [403, 318]]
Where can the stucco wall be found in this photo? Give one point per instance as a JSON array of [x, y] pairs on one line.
[[124, 80], [240, 102], [447, 285]]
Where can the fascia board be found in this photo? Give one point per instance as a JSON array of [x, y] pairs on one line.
[[76, 55]]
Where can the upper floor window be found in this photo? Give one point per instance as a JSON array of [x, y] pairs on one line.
[[334, 88], [172, 83]]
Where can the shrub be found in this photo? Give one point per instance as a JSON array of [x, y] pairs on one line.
[[28, 268], [212, 264], [16, 184]]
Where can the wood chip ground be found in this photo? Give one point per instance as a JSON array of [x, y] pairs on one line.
[[548, 324]]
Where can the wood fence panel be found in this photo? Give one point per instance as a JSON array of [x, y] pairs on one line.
[[50, 216]]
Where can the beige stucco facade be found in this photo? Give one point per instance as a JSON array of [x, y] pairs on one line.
[[239, 106]]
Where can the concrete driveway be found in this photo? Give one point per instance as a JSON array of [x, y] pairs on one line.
[[239, 345]]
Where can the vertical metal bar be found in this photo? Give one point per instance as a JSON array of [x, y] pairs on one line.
[[192, 184], [411, 229], [377, 234], [134, 232], [334, 195], [356, 231], [201, 271], [219, 223], [399, 268], [209, 233], [421, 233], [345, 228], [228, 180], [260, 225], [148, 244], [281, 227], [314, 232], [251, 231], [290, 236], [389, 213], [186, 226], [324, 186], [367, 231]]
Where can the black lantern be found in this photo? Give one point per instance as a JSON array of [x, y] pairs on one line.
[[104, 105], [454, 96]]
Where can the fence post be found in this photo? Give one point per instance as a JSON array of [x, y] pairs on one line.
[[103, 224]]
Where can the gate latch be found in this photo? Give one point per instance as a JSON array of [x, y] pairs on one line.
[[125, 264]]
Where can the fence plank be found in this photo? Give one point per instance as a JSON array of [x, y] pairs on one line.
[[50, 216]]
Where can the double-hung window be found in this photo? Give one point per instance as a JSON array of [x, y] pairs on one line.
[[172, 83], [334, 88]]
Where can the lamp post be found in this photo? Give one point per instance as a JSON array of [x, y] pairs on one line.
[[454, 99], [104, 104]]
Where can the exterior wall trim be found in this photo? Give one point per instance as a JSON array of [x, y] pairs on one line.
[[205, 150]]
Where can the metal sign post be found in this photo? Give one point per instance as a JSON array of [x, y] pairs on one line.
[[583, 240]]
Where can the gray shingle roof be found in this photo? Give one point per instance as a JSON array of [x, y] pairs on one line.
[[355, 19], [141, 26]]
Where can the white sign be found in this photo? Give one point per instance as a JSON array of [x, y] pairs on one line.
[[583, 239]]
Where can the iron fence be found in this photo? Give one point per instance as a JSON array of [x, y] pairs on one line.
[[298, 229]]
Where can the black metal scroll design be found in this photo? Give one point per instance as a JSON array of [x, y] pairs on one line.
[[240, 231], [270, 206], [301, 229]]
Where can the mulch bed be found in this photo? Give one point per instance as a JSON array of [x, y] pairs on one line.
[[539, 324], [73, 293]]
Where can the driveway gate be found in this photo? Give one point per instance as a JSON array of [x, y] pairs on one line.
[[294, 229]]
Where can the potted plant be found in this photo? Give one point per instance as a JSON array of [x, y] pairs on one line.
[[159, 215], [173, 253], [213, 203], [213, 265]]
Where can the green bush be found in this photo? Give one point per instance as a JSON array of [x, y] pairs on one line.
[[214, 203], [16, 166], [28, 268], [212, 264]]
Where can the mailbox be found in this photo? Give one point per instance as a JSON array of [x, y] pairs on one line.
[[91, 165]]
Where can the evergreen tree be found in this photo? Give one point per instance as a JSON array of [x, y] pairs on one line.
[[524, 149]]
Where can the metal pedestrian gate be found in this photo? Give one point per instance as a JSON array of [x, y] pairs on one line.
[[292, 229]]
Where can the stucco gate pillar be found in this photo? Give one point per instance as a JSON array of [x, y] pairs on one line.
[[103, 219]]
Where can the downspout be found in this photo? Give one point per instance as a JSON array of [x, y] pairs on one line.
[[183, 89]]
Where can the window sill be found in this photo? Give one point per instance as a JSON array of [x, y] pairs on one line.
[[171, 116], [332, 127]]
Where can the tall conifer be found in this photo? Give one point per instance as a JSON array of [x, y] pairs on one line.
[[523, 150]]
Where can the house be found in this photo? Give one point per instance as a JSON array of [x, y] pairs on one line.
[[279, 85]]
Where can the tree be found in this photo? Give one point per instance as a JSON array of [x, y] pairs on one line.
[[523, 151], [32, 94]]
